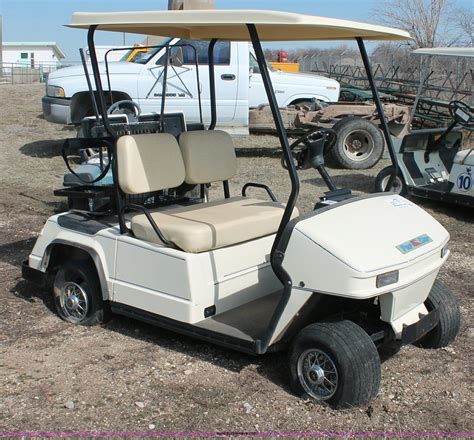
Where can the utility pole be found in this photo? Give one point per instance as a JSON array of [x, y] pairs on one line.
[[182, 5]]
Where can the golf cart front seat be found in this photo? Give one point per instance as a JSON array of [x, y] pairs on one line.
[[154, 162]]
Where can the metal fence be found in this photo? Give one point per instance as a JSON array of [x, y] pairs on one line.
[[17, 73]]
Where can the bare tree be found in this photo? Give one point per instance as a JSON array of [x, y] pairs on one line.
[[463, 18], [426, 20]]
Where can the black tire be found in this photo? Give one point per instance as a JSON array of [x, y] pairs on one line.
[[444, 300], [86, 306], [359, 144], [381, 182], [352, 354]]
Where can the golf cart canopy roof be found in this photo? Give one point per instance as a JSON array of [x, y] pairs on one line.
[[232, 25], [465, 52]]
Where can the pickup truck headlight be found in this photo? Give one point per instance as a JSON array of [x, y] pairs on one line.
[[55, 92]]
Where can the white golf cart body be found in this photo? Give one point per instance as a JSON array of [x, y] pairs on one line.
[[322, 256], [222, 280]]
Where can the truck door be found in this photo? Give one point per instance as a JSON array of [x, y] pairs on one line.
[[182, 87]]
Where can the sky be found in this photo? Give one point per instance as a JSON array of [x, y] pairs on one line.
[[43, 20]]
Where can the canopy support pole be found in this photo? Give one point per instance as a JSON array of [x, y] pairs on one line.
[[98, 81], [277, 253], [380, 111], [212, 84], [105, 121]]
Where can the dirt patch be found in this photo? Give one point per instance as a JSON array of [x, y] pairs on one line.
[[130, 376]]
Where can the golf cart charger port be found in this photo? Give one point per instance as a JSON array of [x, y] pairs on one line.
[[247, 273]]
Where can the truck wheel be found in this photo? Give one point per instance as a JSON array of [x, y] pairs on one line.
[[381, 181], [336, 363], [359, 144], [77, 294], [443, 299]]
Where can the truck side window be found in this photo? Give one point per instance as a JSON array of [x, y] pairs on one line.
[[221, 52]]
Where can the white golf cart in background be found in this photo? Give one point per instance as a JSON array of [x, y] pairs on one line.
[[246, 273], [432, 163]]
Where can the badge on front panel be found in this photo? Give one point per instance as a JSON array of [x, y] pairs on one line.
[[414, 243]]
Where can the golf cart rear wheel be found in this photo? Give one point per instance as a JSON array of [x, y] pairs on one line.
[[444, 300], [77, 293], [335, 363], [359, 144], [399, 186]]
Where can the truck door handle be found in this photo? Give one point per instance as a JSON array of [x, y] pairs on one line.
[[228, 77]]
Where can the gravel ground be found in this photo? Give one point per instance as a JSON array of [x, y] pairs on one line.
[[129, 376]]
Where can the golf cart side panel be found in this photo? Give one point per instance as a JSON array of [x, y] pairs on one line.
[[181, 286], [298, 299], [100, 246]]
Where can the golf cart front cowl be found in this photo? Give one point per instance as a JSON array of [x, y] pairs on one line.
[[357, 249]]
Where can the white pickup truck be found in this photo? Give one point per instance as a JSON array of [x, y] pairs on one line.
[[238, 85]]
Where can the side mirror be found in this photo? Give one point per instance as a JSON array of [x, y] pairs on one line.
[[250, 71], [176, 56]]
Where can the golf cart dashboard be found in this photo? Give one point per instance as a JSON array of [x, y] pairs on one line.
[[173, 123], [424, 140]]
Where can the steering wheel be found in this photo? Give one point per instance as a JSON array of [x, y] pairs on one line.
[[125, 107], [315, 143], [102, 145], [461, 113]]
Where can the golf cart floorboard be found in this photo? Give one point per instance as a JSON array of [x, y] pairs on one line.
[[441, 192], [241, 328], [248, 322]]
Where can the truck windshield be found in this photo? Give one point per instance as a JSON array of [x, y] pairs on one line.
[[133, 55], [152, 52]]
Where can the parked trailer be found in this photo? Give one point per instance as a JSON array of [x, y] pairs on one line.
[[360, 143]]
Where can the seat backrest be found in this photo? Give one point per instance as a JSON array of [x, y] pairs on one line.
[[209, 156], [149, 162]]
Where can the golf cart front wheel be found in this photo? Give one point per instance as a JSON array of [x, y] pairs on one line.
[[444, 300], [398, 187], [335, 363], [77, 294]]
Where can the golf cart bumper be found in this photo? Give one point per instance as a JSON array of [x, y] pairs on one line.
[[57, 110], [416, 331], [35, 276]]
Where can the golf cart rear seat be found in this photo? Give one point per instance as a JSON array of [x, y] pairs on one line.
[[202, 157]]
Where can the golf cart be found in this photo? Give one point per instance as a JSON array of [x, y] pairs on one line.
[[431, 162], [242, 272]]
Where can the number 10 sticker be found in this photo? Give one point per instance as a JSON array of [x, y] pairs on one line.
[[465, 180]]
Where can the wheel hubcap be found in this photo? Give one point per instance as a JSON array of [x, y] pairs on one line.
[[317, 374], [358, 145], [396, 186], [73, 301]]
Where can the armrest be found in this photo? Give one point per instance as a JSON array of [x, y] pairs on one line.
[[258, 185], [138, 208]]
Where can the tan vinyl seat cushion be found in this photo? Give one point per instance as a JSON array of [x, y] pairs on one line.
[[149, 162], [209, 156], [204, 227]]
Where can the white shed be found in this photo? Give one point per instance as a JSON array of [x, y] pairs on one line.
[[32, 54]]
